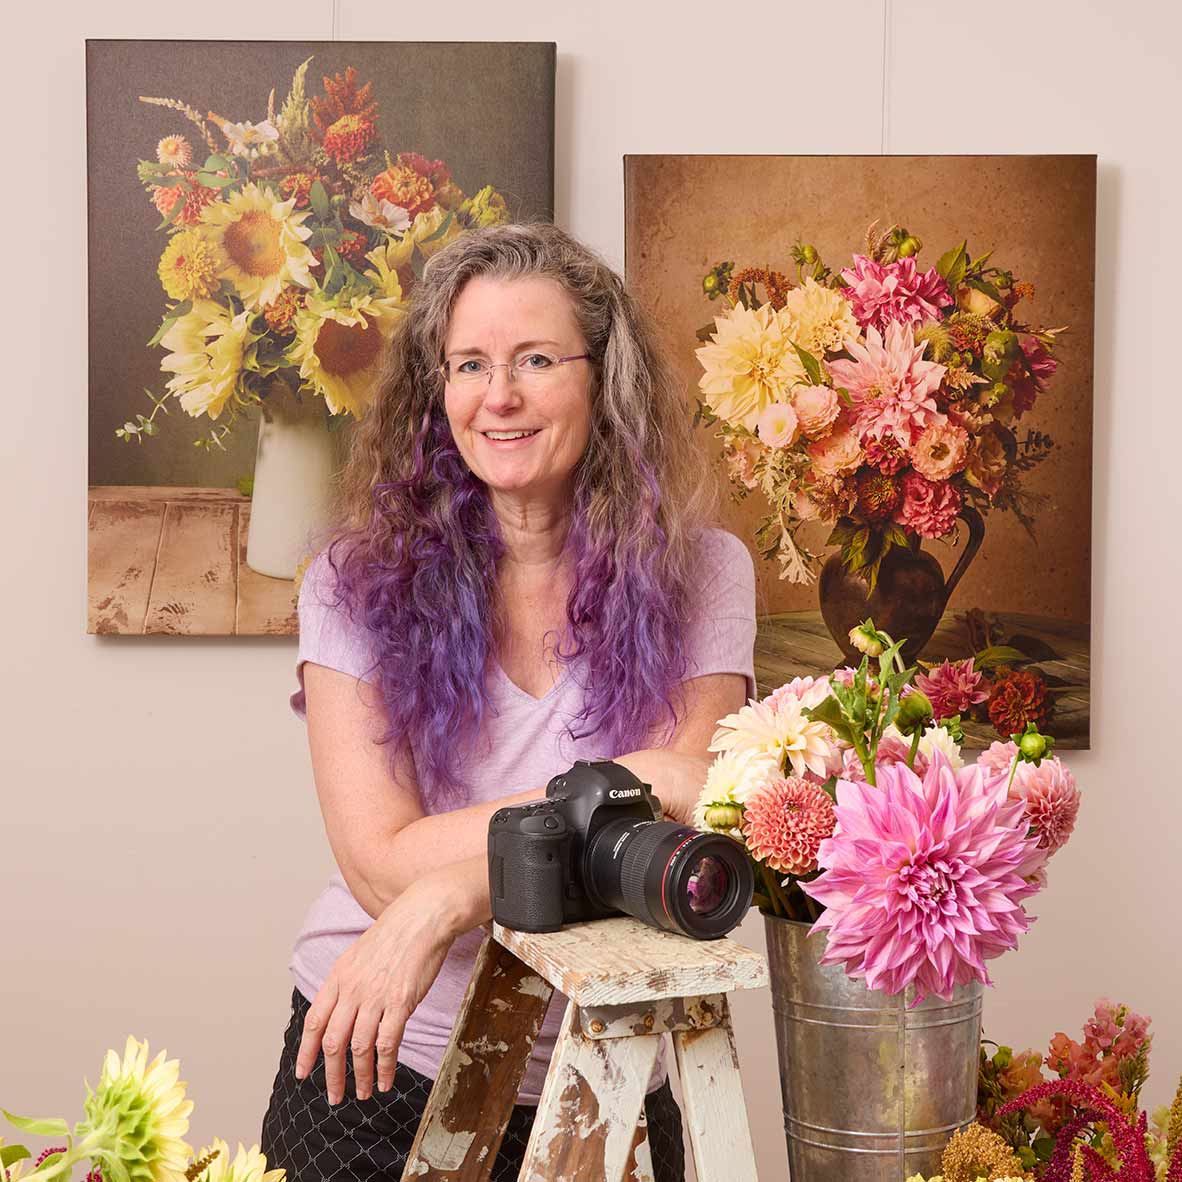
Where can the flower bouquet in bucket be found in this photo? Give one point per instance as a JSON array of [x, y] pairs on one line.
[[890, 872]]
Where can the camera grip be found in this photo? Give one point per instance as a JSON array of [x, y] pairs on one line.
[[527, 876]]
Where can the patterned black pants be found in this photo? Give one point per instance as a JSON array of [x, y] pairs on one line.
[[357, 1140]]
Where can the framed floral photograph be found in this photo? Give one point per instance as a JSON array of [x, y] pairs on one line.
[[890, 362], [258, 215]]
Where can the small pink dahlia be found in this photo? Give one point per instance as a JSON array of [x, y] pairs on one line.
[[1051, 798], [881, 293], [924, 878], [784, 823], [808, 690], [998, 758], [953, 688], [929, 507]]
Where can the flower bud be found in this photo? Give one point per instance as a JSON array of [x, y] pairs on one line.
[[867, 639], [1033, 747], [1003, 1058], [722, 817], [915, 712], [909, 246], [710, 283], [809, 254]]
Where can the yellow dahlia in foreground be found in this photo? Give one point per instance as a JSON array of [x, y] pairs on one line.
[[206, 348], [818, 318], [136, 1118], [262, 243], [189, 267], [248, 1166], [340, 345], [749, 364]]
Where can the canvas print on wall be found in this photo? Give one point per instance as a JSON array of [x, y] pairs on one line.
[[890, 363], [259, 213]]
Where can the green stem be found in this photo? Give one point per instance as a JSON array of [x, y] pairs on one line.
[[865, 760], [1013, 771], [914, 748]]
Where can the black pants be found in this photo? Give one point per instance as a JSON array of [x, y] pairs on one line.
[[357, 1140]]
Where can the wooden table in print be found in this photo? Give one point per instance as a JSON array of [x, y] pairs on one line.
[[793, 644], [173, 560]]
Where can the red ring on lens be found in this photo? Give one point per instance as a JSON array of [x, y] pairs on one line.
[[665, 876]]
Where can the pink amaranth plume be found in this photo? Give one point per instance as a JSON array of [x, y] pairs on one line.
[[1128, 1139], [924, 879]]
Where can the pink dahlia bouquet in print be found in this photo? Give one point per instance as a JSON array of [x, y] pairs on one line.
[[863, 819], [882, 399]]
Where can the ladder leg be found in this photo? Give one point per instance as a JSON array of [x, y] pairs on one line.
[[587, 1117], [713, 1099], [476, 1088], [639, 1167]]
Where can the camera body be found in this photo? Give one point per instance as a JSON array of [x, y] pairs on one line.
[[537, 851]]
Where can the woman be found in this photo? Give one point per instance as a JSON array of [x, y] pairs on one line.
[[524, 574]]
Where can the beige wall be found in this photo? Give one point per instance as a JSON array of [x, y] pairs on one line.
[[160, 838]]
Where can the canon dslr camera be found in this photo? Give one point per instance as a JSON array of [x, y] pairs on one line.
[[596, 846]]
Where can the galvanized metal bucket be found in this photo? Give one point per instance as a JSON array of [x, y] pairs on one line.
[[872, 1087]]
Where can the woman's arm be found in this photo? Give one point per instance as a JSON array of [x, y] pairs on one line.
[[381, 838]]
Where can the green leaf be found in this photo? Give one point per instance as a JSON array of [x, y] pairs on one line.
[[212, 181], [987, 288], [997, 654], [843, 531], [830, 712], [952, 265], [11, 1153], [442, 228], [216, 163], [41, 1126], [811, 365], [854, 553], [318, 197], [1044, 1147]]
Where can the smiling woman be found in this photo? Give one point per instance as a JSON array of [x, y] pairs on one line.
[[524, 571]]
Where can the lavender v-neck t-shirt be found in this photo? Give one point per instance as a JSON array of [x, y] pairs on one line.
[[523, 744]]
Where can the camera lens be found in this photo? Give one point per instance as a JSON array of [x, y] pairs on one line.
[[670, 876], [707, 885]]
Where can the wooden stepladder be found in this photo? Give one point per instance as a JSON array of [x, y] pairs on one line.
[[627, 984]]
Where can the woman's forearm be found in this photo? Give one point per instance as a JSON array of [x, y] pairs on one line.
[[429, 843]]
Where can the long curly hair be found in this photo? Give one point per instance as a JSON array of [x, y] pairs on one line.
[[415, 543]]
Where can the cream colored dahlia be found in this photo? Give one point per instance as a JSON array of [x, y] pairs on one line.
[[136, 1118], [749, 364], [340, 344], [781, 731], [819, 319], [249, 1165], [732, 777], [262, 243]]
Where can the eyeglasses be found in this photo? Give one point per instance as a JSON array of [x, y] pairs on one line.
[[534, 367]]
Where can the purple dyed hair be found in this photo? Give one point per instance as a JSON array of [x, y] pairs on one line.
[[416, 545]]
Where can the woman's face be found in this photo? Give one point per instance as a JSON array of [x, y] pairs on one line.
[[498, 320]]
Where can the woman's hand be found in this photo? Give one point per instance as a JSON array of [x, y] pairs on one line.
[[376, 984], [676, 779]]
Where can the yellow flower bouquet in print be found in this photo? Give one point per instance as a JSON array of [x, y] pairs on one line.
[[290, 246]]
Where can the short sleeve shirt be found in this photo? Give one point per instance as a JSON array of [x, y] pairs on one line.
[[524, 743]]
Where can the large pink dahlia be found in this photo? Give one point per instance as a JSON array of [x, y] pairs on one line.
[[929, 507], [881, 293], [784, 823], [924, 878], [891, 387]]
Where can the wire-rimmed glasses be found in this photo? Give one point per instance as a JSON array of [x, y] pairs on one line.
[[531, 365]]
